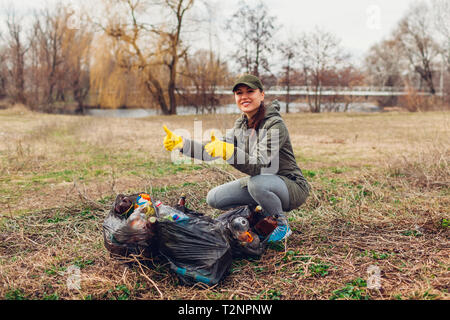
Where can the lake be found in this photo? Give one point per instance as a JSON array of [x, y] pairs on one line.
[[225, 109]]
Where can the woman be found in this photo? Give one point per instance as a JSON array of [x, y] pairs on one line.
[[258, 145]]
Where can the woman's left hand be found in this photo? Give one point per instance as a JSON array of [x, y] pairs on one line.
[[217, 148]]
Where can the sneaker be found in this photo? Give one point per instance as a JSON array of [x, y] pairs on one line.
[[280, 233]]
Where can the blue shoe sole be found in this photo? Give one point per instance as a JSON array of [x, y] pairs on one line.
[[280, 233]]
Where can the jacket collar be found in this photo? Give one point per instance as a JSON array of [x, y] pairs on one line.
[[272, 110]]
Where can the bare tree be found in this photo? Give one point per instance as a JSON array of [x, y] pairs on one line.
[[383, 64], [348, 76], [17, 48], [319, 52], [3, 71], [288, 51], [441, 15], [384, 67], [77, 54], [415, 38], [164, 54], [252, 29], [204, 72], [59, 60], [49, 28]]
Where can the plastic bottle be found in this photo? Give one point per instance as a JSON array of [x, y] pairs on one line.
[[124, 207], [182, 201], [239, 225], [137, 220], [167, 212], [240, 228], [148, 210], [142, 199], [151, 224], [265, 226]]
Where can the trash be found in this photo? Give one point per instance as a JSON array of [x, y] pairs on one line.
[[125, 233], [143, 199], [124, 205], [245, 249], [197, 247], [137, 220], [265, 226], [241, 231], [182, 201], [167, 212]]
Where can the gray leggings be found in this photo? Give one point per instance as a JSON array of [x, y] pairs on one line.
[[268, 191]]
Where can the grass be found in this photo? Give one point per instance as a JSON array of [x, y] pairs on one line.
[[380, 198], [353, 290]]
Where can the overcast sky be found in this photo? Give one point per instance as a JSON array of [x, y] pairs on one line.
[[358, 23]]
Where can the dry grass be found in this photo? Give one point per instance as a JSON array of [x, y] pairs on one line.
[[380, 198]]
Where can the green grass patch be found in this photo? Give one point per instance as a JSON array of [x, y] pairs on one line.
[[58, 218], [354, 290], [319, 269], [83, 263], [15, 294], [412, 233], [121, 292], [51, 296], [376, 255], [271, 294]]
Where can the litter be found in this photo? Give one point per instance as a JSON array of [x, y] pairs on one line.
[[197, 247]]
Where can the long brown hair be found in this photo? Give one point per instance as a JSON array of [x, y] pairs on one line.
[[258, 117]]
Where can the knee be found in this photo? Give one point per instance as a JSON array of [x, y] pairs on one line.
[[211, 198], [256, 186]]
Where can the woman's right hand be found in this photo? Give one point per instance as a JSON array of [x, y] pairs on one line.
[[172, 141]]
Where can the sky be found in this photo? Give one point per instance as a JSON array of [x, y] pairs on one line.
[[358, 23]]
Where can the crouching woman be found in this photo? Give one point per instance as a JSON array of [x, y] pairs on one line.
[[259, 146]]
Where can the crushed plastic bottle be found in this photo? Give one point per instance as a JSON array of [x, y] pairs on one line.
[[167, 212], [124, 207], [241, 231], [137, 220], [148, 210], [143, 199], [239, 226], [182, 200]]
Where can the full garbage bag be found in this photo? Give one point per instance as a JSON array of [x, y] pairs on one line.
[[119, 236], [197, 247]]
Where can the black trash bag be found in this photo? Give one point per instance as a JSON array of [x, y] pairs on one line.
[[238, 248], [197, 249], [119, 237]]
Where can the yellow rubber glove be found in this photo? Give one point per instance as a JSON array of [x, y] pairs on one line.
[[217, 148], [172, 141]]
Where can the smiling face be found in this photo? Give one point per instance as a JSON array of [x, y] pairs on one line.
[[248, 100]]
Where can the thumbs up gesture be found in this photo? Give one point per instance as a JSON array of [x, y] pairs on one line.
[[217, 148], [172, 141]]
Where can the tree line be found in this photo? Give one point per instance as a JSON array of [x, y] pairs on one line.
[[141, 53]]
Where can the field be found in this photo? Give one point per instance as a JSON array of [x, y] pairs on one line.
[[380, 201]]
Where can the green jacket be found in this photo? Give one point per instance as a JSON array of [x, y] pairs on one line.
[[266, 151]]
